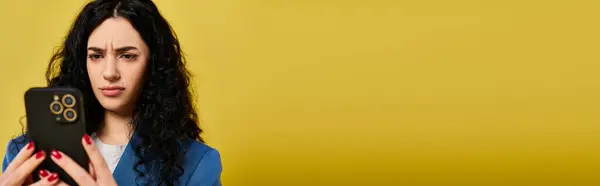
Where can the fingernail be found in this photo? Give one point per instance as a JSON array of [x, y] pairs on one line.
[[39, 155], [30, 145], [53, 177], [56, 154], [43, 173], [87, 139]]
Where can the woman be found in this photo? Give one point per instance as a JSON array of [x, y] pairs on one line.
[[143, 128]]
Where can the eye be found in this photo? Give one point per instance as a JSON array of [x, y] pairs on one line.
[[95, 56], [129, 56]]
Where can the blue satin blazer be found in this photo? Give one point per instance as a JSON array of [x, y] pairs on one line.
[[201, 164]]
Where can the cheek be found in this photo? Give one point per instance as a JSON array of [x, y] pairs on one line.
[[91, 72], [135, 73]]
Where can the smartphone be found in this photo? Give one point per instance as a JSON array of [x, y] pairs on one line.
[[56, 120]]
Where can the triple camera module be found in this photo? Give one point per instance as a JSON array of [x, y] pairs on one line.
[[62, 108]]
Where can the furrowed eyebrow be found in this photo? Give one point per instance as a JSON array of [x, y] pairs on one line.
[[125, 49], [96, 49], [118, 50]]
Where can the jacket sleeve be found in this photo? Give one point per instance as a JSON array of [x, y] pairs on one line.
[[208, 171], [9, 155]]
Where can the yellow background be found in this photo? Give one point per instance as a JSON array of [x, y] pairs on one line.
[[332, 92]]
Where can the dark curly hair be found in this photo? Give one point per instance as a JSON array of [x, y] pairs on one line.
[[164, 117]]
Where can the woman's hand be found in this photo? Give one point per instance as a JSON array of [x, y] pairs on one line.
[[99, 173], [20, 168]]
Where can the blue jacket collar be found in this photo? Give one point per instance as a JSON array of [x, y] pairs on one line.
[[124, 173]]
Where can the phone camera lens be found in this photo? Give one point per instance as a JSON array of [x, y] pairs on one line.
[[56, 107], [70, 114], [68, 101]]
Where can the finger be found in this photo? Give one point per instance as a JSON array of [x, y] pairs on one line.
[[23, 155], [47, 179], [43, 173], [60, 183], [19, 175], [100, 168], [28, 181], [92, 172], [76, 172]]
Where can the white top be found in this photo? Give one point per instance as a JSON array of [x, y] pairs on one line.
[[111, 153]]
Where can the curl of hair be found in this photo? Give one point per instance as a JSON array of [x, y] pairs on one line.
[[164, 117]]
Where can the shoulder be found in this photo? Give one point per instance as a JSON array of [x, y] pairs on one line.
[[203, 154], [198, 148], [15, 145], [12, 149], [204, 163]]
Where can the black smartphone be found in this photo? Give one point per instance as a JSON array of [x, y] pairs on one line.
[[56, 120]]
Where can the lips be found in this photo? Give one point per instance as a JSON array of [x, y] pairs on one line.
[[112, 91]]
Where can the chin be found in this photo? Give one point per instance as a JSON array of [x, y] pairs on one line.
[[112, 105], [117, 104]]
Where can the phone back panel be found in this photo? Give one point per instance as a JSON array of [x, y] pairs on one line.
[[56, 120]]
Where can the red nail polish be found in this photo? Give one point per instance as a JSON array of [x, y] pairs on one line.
[[43, 173], [30, 145], [87, 139], [39, 155], [53, 177], [56, 154]]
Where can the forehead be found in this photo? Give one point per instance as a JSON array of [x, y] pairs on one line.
[[113, 32]]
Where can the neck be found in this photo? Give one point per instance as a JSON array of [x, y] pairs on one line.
[[116, 128]]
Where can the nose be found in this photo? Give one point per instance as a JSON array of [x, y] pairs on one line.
[[111, 72]]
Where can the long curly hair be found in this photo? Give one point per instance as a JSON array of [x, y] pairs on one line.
[[164, 116]]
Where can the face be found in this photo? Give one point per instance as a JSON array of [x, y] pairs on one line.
[[116, 62]]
